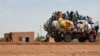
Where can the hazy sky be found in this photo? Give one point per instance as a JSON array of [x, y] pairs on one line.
[[28, 15]]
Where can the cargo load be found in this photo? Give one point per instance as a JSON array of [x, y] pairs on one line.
[[67, 26]]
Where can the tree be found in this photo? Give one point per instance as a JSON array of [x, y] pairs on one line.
[[40, 38], [1, 39]]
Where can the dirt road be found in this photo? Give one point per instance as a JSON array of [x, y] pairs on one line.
[[50, 49]]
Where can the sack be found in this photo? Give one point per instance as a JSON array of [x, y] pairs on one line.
[[84, 25], [66, 24], [55, 25]]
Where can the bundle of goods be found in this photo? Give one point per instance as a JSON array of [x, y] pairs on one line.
[[68, 20]]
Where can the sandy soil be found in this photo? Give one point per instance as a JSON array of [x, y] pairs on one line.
[[50, 49]]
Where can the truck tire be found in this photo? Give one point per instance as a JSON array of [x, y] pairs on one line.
[[81, 39], [92, 38], [67, 38], [58, 39]]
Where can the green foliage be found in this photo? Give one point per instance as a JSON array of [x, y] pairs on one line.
[[97, 39], [40, 38], [1, 39]]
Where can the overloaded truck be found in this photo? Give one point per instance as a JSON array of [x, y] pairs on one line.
[[64, 27]]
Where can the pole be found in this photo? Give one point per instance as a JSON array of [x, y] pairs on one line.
[[40, 31]]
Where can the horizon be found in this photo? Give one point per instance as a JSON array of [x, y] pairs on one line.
[[30, 15]]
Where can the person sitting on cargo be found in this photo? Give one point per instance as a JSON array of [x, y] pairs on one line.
[[72, 16], [64, 16], [77, 15], [50, 25], [53, 17], [46, 25], [89, 19], [63, 22], [59, 16], [68, 13]]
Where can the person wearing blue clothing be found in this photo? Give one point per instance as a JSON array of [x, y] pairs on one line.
[[84, 18], [80, 17], [68, 13], [77, 15], [64, 16]]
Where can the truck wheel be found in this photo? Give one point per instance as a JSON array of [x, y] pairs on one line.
[[58, 39], [92, 38], [67, 38], [81, 39]]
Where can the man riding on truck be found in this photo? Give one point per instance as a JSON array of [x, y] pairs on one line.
[[58, 16], [55, 16]]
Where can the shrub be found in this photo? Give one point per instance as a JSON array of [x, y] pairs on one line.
[[1, 39], [40, 38]]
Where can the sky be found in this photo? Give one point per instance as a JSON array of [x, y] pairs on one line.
[[30, 15]]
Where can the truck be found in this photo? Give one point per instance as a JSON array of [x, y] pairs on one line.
[[84, 31]]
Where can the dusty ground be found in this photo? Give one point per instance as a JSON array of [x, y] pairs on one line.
[[50, 49]]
